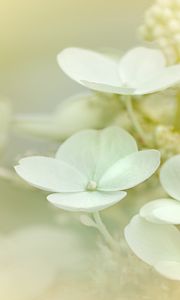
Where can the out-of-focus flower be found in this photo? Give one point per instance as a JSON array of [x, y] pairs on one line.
[[91, 169], [151, 235], [140, 71], [166, 210], [79, 112], [156, 244], [167, 141], [162, 25]]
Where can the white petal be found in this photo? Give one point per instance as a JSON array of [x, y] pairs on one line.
[[51, 174], [169, 269], [130, 171], [139, 65], [170, 176], [153, 242], [162, 211], [107, 88], [92, 152], [81, 151], [82, 64], [114, 144], [167, 78], [85, 201]]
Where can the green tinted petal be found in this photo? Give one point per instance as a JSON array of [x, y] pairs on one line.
[[85, 201], [130, 171], [50, 174]]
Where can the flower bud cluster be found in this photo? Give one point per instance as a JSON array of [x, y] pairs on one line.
[[162, 25]]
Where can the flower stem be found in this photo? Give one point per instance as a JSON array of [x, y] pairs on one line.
[[103, 230], [177, 116], [134, 120]]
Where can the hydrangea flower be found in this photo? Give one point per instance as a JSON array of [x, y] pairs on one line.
[[166, 210], [156, 244], [140, 71], [162, 25], [151, 235], [91, 169]]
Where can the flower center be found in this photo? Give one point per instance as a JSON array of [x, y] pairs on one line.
[[91, 186]]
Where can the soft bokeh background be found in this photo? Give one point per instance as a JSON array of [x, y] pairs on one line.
[[38, 243]]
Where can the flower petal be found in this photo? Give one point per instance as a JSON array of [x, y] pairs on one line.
[[170, 176], [107, 88], [164, 79], [81, 151], [114, 143], [162, 211], [51, 174], [85, 201], [92, 152], [82, 64], [139, 65], [130, 171], [169, 269], [153, 242]]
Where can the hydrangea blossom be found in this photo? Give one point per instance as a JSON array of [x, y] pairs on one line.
[[166, 210], [156, 244], [151, 234], [91, 169], [162, 25], [140, 71]]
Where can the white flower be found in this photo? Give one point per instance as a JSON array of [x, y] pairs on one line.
[[166, 210], [151, 235], [91, 169], [156, 244], [140, 71]]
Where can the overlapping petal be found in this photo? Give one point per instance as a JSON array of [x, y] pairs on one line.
[[85, 201], [161, 80], [86, 65], [155, 244], [162, 211], [51, 174], [92, 152], [130, 171], [139, 65], [170, 177]]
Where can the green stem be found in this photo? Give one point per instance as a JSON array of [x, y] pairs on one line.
[[103, 230], [177, 116], [134, 120]]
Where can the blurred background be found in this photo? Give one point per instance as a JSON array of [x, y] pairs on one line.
[[31, 35]]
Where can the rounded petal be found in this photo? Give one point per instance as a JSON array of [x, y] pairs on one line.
[[85, 201], [162, 211], [130, 171], [160, 81], [170, 176], [81, 151], [169, 269], [82, 64], [153, 242], [139, 65], [114, 143], [92, 152], [107, 88], [50, 174]]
